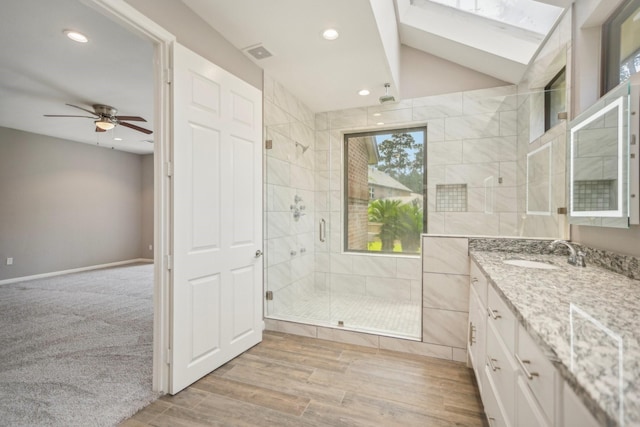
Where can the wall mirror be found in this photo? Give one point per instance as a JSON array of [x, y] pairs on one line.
[[599, 162]]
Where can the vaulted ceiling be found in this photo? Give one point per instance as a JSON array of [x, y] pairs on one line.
[[41, 70]]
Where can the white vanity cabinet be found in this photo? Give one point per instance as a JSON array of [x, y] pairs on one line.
[[518, 384]]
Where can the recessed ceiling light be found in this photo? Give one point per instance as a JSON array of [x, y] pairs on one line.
[[117, 139], [330, 34], [380, 123], [76, 36], [364, 92], [376, 114]]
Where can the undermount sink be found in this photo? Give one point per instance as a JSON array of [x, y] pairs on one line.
[[530, 264]]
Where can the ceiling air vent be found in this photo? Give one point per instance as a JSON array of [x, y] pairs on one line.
[[259, 52]]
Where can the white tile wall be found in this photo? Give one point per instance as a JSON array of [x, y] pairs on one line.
[[445, 255], [446, 291], [444, 327]]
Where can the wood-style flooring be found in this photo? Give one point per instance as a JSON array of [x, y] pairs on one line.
[[289, 380]]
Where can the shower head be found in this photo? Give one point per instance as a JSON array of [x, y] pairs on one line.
[[386, 97], [304, 147]]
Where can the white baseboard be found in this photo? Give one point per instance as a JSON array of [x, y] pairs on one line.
[[73, 270]]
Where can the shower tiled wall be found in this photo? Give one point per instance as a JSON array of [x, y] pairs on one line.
[[289, 243], [471, 140]]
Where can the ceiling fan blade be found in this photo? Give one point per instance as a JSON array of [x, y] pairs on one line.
[[62, 115], [83, 109], [138, 128], [99, 130], [131, 118]]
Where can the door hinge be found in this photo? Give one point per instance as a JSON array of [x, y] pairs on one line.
[[169, 261], [269, 295], [168, 356], [268, 144], [169, 168], [168, 75]]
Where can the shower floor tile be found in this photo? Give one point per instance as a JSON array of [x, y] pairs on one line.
[[357, 312]]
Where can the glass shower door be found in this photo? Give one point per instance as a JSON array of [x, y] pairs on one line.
[[295, 292]]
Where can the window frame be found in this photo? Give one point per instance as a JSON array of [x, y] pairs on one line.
[[610, 49], [547, 97], [345, 171]]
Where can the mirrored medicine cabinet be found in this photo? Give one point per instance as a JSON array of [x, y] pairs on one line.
[[603, 160]]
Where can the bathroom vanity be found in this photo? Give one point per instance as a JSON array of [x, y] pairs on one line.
[[552, 344]]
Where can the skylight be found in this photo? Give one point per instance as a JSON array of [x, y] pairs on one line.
[[494, 37], [527, 14]]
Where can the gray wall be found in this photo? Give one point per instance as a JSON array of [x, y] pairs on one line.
[[193, 32], [66, 205], [422, 74]]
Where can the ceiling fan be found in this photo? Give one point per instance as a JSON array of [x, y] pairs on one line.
[[105, 118]]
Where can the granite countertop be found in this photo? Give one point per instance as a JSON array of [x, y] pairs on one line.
[[587, 322]]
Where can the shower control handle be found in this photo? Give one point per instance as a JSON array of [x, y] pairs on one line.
[[258, 253]]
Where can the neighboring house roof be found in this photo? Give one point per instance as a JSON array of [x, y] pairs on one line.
[[381, 179], [414, 197]]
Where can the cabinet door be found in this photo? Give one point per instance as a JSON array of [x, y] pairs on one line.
[[492, 406], [537, 372], [528, 411], [575, 414], [501, 368], [476, 337]]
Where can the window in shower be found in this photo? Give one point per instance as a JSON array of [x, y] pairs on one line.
[[385, 194]]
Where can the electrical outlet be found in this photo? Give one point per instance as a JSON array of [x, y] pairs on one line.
[[150, 247], [9, 261]]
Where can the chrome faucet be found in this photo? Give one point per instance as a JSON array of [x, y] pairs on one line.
[[575, 258]]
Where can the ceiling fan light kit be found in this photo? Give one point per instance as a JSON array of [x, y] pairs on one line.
[[105, 118], [104, 124]]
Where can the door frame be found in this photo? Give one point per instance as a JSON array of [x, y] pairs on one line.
[[163, 42]]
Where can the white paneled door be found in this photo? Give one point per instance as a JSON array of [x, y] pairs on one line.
[[216, 292]]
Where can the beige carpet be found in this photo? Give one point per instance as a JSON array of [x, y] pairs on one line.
[[76, 350]]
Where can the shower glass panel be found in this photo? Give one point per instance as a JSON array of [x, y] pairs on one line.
[[295, 291]]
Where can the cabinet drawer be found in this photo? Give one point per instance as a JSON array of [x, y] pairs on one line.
[[501, 369], [502, 319], [537, 372], [478, 282]]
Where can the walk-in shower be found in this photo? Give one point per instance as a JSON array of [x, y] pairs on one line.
[[308, 276]]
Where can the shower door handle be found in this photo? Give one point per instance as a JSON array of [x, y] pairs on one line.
[[258, 253], [323, 230]]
